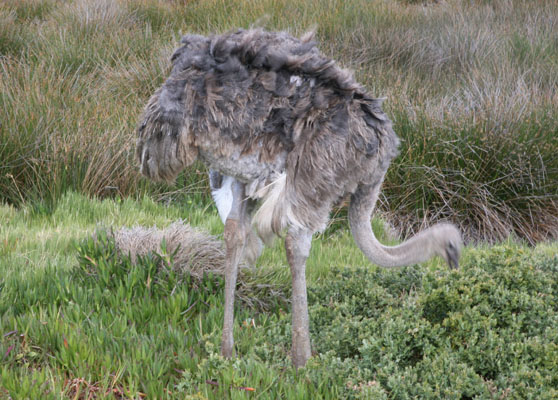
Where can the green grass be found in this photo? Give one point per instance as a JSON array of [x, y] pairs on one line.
[[76, 322], [74, 328], [470, 87]]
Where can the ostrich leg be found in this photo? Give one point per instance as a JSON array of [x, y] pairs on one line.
[[253, 246], [297, 246], [235, 236]]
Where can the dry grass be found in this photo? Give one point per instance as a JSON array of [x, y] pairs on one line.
[[194, 253], [471, 87]]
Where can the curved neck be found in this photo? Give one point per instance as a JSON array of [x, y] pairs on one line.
[[413, 251]]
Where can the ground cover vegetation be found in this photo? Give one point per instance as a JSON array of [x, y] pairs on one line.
[[79, 321], [471, 87]]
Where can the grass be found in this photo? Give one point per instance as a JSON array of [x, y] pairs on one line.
[[76, 323], [42, 298], [470, 86]]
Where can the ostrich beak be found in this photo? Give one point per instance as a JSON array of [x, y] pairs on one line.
[[452, 257]]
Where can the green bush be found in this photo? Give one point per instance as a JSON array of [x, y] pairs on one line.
[[435, 334]]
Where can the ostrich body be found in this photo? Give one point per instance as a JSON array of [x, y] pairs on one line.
[[280, 124]]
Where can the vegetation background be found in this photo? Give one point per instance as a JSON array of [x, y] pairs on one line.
[[472, 87]]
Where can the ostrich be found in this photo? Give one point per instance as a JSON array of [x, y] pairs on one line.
[[288, 129]]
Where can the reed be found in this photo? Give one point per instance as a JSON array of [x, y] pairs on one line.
[[471, 87]]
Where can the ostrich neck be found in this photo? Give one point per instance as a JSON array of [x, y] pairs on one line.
[[413, 251], [418, 249]]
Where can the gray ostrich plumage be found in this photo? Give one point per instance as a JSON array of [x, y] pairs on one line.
[[295, 131], [256, 104]]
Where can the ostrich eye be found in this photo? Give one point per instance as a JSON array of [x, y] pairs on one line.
[[450, 245]]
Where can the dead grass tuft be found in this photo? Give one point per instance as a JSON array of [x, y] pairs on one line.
[[196, 253]]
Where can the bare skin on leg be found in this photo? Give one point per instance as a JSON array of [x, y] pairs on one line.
[[297, 246], [235, 237]]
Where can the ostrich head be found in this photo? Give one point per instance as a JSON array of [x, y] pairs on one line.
[[447, 243]]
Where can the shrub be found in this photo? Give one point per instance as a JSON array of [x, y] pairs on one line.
[[459, 334]]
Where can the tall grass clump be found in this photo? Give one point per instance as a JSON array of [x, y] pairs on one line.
[[471, 87], [74, 78], [472, 90], [51, 138]]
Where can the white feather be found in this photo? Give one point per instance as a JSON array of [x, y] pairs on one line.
[[274, 206], [223, 197], [297, 80]]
